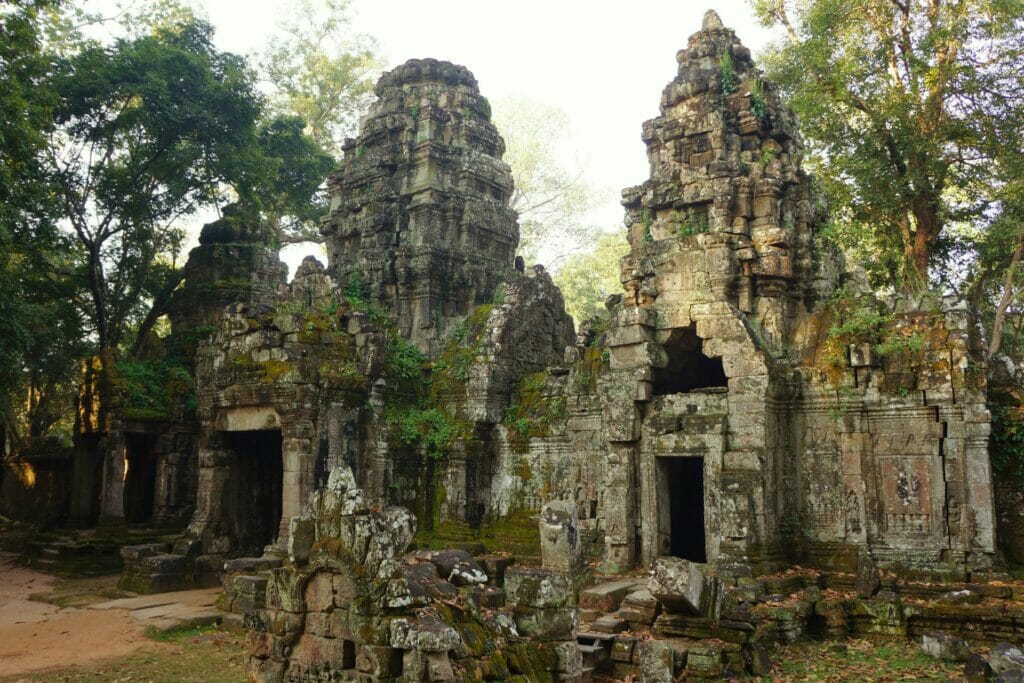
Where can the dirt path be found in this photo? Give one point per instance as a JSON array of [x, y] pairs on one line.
[[36, 635]]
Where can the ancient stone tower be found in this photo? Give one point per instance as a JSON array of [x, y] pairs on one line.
[[419, 209], [746, 425]]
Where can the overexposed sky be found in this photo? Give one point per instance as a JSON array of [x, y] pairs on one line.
[[604, 62]]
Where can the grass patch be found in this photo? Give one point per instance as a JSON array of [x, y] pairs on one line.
[[859, 660]]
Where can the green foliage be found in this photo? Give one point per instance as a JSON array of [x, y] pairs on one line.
[[155, 389], [694, 223], [589, 278], [758, 106], [727, 72], [532, 411], [432, 428], [900, 346], [356, 292], [403, 361], [646, 222], [498, 298], [321, 70], [912, 114], [42, 335], [1006, 442], [550, 196]]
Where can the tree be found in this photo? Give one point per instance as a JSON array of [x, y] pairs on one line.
[[550, 198], [147, 130], [588, 278], [321, 71], [902, 100], [41, 336]]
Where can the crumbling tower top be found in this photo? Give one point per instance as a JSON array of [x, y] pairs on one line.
[[420, 220], [725, 177]]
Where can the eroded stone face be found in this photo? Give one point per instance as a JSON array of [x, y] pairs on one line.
[[419, 208]]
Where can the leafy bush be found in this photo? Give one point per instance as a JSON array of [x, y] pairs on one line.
[[727, 72], [1006, 442]]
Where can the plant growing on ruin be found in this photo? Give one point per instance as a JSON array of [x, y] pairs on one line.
[[727, 72], [646, 222], [758, 106]]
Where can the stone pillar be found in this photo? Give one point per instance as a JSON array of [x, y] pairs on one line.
[[561, 549], [114, 471]]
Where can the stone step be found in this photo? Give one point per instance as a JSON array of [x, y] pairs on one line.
[[590, 649], [595, 637], [610, 623], [606, 596]]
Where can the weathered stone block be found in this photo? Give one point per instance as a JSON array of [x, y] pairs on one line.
[[685, 586], [547, 623], [538, 588], [656, 661], [944, 646]]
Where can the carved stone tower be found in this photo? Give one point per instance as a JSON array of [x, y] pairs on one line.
[[419, 218]]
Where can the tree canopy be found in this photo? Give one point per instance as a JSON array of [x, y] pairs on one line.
[[910, 106]]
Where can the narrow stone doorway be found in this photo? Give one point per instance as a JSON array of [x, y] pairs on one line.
[[139, 477], [682, 508], [254, 488]]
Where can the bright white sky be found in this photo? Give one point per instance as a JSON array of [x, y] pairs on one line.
[[603, 62]]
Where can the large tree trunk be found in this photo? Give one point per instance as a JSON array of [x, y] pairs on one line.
[[927, 228]]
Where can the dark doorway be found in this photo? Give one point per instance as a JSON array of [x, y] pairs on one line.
[[254, 488], [685, 479], [688, 368], [139, 477]]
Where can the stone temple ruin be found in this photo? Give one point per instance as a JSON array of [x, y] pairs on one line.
[[724, 464]]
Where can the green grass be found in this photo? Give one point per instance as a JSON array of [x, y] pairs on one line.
[[859, 660]]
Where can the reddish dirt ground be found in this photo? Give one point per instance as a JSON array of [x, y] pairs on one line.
[[36, 636]]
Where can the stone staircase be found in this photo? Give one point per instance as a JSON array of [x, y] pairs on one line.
[[611, 613]]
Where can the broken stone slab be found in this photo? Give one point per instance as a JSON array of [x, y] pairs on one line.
[[977, 669], [684, 586], [495, 566], [134, 553], [561, 544], [251, 565], [428, 634], [640, 608], [945, 646], [164, 564], [417, 585], [538, 588], [1006, 657], [457, 566], [606, 596], [868, 579]]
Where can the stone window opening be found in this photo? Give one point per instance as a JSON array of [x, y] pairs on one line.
[[681, 508], [255, 487], [688, 368], [139, 477]]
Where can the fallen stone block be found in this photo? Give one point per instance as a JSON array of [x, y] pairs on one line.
[[944, 646], [684, 586], [538, 588]]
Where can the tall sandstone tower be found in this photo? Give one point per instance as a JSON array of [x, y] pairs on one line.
[[419, 211]]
